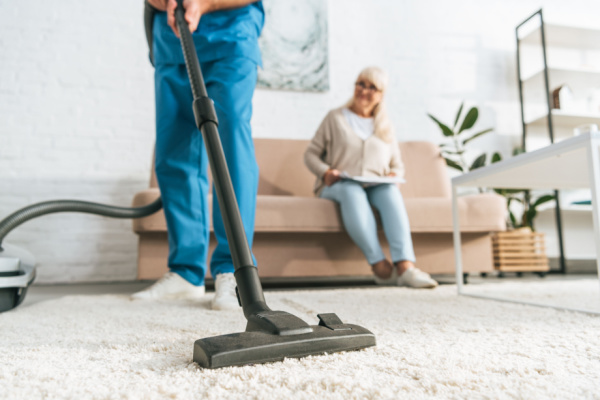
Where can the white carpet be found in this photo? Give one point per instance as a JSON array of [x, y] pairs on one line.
[[431, 344], [576, 294]]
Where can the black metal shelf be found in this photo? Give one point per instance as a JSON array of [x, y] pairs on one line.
[[559, 229]]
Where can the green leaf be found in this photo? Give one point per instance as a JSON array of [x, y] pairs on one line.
[[458, 114], [469, 120], [496, 157], [543, 199], [529, 216], [477, 135], [517, 151], [513, 220], [479, 162], [514, 191], [453, 164], [445, 130]]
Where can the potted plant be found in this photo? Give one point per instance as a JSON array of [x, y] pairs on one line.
[[520, 248], [527, 206], [460, 135]]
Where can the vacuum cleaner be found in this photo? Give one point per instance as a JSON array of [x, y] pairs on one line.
[[17, 266], [270, 335]]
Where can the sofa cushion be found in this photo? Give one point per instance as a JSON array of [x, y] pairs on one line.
[[273, 214], [477, 213]]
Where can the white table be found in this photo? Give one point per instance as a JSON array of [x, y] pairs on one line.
[[571, 164]]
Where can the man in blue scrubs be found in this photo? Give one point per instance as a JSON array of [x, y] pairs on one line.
[[225, 34]]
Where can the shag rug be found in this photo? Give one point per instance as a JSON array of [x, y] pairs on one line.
[[430, 344]]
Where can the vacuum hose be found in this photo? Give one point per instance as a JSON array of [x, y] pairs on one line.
[[49, 207]]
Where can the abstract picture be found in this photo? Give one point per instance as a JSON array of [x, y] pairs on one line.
[[294, 46]]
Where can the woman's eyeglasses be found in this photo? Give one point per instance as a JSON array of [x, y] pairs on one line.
[[364, 86]]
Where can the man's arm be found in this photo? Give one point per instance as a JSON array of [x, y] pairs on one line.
[[194, 9]]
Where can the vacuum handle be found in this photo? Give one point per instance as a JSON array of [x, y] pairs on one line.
[[250, 290], [189, 53]]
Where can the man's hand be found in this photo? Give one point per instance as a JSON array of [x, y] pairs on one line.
[[193, 11], [160, 5], [331, 176]]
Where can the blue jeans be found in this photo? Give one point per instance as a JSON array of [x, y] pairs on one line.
[[355, 205], [181, 161]]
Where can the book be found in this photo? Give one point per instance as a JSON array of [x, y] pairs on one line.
[[372, 180]]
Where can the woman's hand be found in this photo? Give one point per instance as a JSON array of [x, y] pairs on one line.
[[331, 176], [392, 174]]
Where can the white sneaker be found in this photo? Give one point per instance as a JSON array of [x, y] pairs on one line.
[[225, 297], [416, 278], [170, 286]]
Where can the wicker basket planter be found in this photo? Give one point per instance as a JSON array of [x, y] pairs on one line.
[[520, 250]]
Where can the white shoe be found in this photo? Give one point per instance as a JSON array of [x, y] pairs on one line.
[[225, 297], [416, 278], [170, 286], [391, 281]]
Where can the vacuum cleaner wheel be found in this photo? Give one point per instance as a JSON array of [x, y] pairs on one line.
[[17, 272], [11, 297]]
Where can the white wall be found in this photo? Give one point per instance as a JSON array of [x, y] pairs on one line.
[[77, 111]]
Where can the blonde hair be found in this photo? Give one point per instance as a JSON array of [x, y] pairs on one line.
[[381, 121]]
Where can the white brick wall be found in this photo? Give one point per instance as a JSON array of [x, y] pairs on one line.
[[77, 111]]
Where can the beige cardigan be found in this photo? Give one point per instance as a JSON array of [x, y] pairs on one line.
[[336, 145]]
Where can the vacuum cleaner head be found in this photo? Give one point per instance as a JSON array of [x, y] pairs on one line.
[[266, 341], [17, 272]]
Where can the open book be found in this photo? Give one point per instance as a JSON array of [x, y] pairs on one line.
[[372, 180]]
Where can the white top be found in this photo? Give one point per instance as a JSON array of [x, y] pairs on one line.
[[363, 127]]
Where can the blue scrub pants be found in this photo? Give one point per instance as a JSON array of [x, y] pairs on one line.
[[358, 218], [181, 161]]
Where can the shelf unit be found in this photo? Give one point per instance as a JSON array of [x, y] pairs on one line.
[[541, 81]]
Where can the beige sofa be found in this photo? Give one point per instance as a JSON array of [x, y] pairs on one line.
[[300, 236]]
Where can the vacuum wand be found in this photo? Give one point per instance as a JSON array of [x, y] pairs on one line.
[[249, 288]]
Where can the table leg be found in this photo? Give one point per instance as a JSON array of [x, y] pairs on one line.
[[594, 176], [457, 244]]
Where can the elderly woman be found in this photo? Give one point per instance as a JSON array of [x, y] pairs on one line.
[[357, 139]]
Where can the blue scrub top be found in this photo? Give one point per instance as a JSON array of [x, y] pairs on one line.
[[220, 34]]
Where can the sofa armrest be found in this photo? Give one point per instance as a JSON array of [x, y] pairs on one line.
[[151, 223]]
